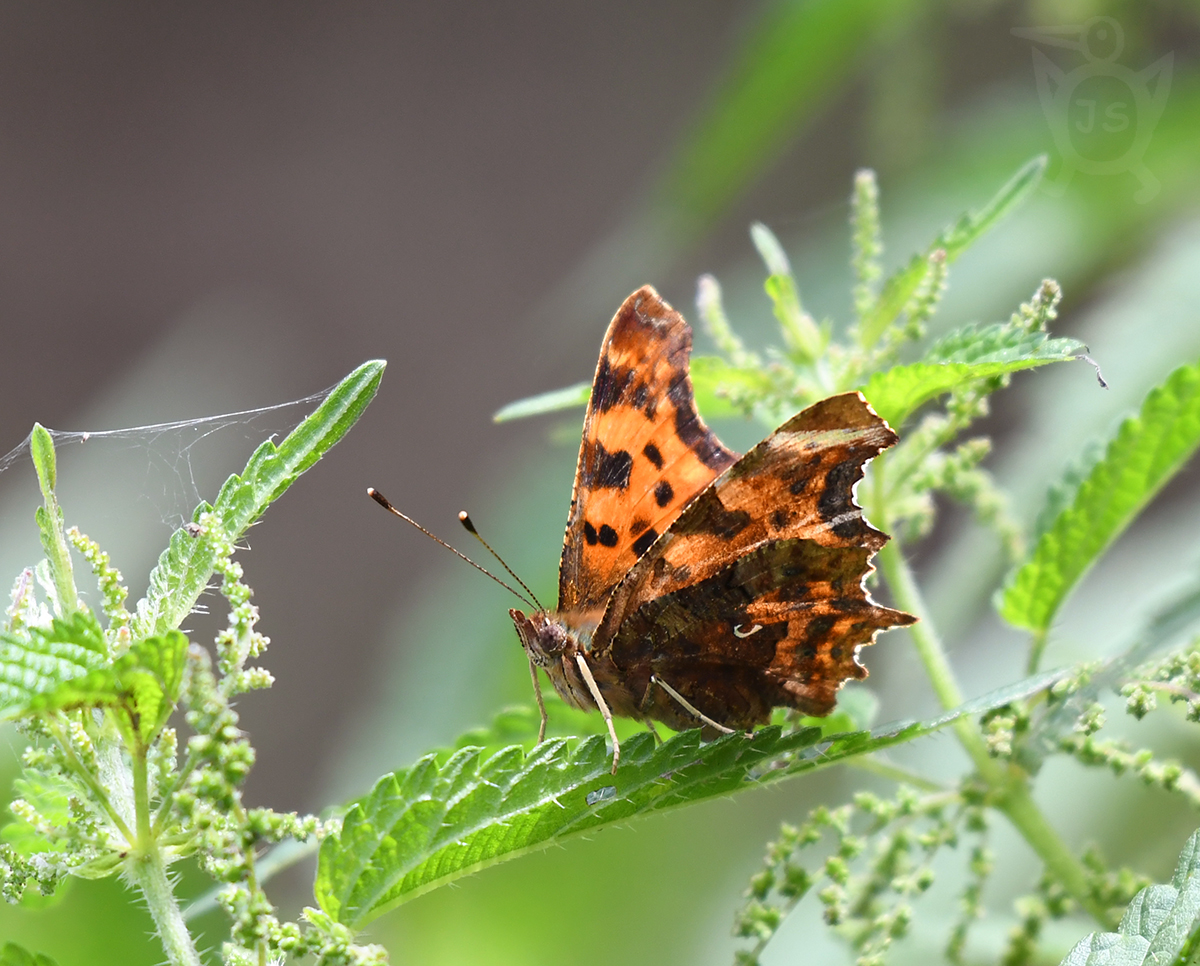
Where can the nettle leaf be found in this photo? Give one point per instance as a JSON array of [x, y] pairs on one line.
[[448, 817], [151, 677], [1147, 450], [185, 567], [964, 356], [1061, 493], [899, 289], [1157, 924], [50, 795], [34, 661], [144, 683]]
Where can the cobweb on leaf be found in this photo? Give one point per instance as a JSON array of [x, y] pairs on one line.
[[177, 464]]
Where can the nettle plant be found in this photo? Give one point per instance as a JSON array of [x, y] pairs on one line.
[[107, 790]]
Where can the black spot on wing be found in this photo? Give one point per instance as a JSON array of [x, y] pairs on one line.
[[815, 634], [653, 455], [589, 533], [838, 497], [607, 535], [689, 428], [663, 493], [642, 543], [638, 525], [610, 385], [610, 470], [708, 515], [639, 395], [780, 518]]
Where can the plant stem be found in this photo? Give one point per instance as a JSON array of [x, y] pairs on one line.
[[1018, 806], [141, 800], [166, 794], [933, 655], [91, 781], [1036, 646], [886, 769], [148, 871], [1008, 786]]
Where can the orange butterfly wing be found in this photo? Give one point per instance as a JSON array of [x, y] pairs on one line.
[[645, 452], [753, 597]]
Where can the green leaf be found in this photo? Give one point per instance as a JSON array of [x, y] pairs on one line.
[[800, 332], [1157, 924], [144, 683], [1147, 450], [185, 567], [14, 955], [49, 519], [41, 448], [151, 677], [50, 795], [1061, 493], [424, 827], [954, 240], [569, 397], [37, 660], [964, 356]]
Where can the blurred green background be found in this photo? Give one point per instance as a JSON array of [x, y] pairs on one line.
[[221, 208]]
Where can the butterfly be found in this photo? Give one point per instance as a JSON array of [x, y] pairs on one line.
[[697, 587]]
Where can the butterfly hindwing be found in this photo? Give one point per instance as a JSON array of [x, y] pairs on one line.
[[753, 597], [796, 484], [782, 623], [645, 452]]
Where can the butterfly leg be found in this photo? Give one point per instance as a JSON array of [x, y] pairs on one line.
[[649, 722], [688, 706], [586, 672], [537, 693]]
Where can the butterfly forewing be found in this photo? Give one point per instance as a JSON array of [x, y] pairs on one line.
[[645, 452]]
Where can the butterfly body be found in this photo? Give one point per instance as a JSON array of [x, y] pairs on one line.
[[697, 587]]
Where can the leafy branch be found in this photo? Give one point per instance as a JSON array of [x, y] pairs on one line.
[[448, 817], [102, 791]]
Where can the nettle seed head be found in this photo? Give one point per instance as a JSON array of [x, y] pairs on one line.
[[1139, 700]]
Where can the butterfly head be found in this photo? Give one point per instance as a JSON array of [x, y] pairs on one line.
[[543, 637]]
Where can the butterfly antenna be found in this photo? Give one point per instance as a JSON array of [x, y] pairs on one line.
[[465, 520], [382, 500]]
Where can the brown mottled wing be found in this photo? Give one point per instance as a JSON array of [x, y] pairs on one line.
[[776, 543], [645, 452]]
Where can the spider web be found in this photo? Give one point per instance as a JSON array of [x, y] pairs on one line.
[[178, 463]]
